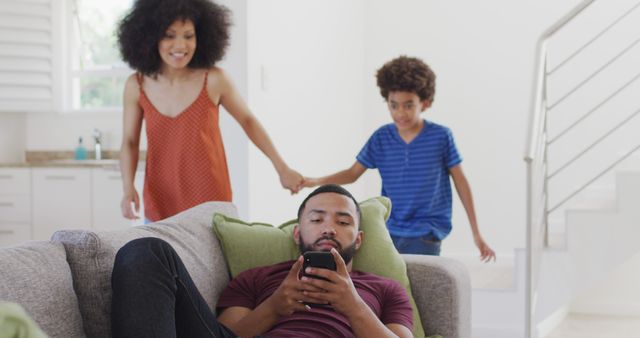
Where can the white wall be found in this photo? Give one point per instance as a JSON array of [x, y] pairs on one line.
[[482, 53], [12, 137], [318, 60], [305, 86], [53, 131], [235, 142]]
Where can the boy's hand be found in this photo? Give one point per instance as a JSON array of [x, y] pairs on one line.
[[310, 182], [486, 253]]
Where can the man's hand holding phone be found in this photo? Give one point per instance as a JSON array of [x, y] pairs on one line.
[[317, 260], [290, 295], [333, 287]]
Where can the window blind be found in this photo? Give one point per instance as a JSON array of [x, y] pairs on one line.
[[30, 69]]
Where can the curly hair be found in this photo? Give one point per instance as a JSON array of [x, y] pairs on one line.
[[145, 25], [407, 74]]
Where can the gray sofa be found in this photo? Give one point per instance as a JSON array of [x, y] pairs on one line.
[[65, 285]]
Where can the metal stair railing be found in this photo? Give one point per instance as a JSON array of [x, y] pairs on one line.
[[594, 109], [596, 177], [538, 143], [588, 148], [594, 74], [596, 37]]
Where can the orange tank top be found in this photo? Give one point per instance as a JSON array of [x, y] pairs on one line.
[[186, 162]]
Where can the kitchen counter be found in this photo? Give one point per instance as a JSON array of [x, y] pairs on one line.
[[64, 159], [39, 196], [70, 163]]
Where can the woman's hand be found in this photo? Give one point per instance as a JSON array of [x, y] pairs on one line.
[[125, 205], [292, 180]]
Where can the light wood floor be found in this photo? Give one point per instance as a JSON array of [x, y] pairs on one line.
[[597, 326], [490, 276], [498, 275]]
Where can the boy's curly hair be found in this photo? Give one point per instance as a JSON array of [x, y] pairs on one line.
[[145, 25], [407, 74]]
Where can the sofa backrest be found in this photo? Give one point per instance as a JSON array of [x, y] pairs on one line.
[[36, 276], [91, 254]]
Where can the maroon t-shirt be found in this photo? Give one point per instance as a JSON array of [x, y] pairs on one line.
[[386, 297]]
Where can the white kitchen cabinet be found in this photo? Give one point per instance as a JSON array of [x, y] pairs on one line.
[[15, 206], [36, 202], [106, 197], [61, 200], [15, 209], [13, 234], [15, 181]]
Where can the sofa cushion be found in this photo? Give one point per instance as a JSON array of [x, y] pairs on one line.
[[247, 245], [36, 276], [442, 288], [91, 256]]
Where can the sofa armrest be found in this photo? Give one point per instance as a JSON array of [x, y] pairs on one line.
[[442, 291]]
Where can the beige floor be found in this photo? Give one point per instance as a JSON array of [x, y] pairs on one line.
[[499, 275], [490, 276], [597, 326]]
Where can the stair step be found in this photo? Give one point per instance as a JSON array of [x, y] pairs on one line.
[[604, 196], [498, 275], [497, 278]]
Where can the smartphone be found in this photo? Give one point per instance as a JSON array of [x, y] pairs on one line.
[[318, 259]]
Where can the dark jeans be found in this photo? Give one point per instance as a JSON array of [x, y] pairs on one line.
[[154, 296], [425, 245]]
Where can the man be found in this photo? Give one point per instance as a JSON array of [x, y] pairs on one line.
[[153, 295]]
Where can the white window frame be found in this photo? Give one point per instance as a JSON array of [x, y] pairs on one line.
[[70, 50], [36, 73]]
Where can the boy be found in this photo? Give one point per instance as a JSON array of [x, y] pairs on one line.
[[415, 158]]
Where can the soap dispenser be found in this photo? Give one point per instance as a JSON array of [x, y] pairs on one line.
[[81, 151]]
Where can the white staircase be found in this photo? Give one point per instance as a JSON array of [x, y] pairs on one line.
[[602, 232], [497, 311], [599, 239], [602, 239], [583, 217]]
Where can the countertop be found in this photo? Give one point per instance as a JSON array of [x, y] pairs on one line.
[[64, 159], [70, 163]]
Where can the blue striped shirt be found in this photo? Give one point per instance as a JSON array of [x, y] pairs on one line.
[[415, 176]]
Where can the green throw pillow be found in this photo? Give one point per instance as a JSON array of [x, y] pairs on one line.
[[249, 245], [15, 322]]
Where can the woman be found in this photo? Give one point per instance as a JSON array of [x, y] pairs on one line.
[[173, 45]]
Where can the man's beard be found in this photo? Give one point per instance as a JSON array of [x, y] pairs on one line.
[[346, 253]]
